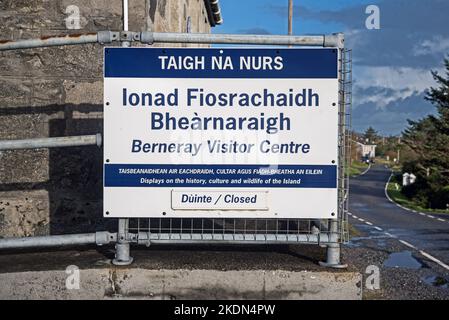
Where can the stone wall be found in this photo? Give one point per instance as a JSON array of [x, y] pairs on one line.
[[58, 91]]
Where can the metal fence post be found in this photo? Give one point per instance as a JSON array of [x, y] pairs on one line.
[[122, 248], [333, 250], [333, 254]]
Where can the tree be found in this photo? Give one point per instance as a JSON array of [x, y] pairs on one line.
[[429, 140], [370, 135], [440, 98]]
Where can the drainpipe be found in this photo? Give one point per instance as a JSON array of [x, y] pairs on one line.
[[214, 12]]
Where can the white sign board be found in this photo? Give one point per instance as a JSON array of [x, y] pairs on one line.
[[236, 133]]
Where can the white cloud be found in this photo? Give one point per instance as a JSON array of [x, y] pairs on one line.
[[436, 45], [389, 84]]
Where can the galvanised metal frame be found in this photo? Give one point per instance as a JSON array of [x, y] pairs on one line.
[[148, 37], [237, 231], [267, 231], [56, 142]]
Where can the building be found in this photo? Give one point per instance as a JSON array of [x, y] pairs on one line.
[[366, 150], [58, 91]]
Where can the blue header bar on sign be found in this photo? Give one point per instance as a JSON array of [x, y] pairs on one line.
[[220, 63]]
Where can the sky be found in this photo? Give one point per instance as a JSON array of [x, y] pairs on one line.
[[391, 65]]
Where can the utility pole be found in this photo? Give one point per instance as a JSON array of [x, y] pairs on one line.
[[290, 17]]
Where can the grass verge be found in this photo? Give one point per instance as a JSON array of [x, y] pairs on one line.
[[394, 192], [353, 232], [356, 168]]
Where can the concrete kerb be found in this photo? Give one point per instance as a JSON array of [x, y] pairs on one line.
[[137, 283]]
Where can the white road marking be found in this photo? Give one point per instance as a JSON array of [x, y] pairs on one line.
[[355, 217], [421, 213], [361, 220], [386, 188], [442, 220], [430, 216], [407, 244], [425, 254]]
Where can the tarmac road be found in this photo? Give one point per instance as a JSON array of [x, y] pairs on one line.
[[416, 240]]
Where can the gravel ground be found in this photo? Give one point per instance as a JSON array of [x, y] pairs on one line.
[[260, 257]]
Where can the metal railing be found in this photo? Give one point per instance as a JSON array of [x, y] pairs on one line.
[[178, 230], [56, 142], [147, 37], [98, 238]]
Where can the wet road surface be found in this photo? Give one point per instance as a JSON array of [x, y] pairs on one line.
[[412, 247], [368, 201]]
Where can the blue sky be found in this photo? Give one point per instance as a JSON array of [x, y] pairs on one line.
[[391, 65]]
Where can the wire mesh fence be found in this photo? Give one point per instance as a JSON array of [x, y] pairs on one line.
[[228, 229], [225, 225], [346, 87]]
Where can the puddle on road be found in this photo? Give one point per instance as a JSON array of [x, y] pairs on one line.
[[370, 234], [402, 259], [353, 244], [358, 242], [436, 281]]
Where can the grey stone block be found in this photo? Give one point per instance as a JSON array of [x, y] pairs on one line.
[[182, 284]]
